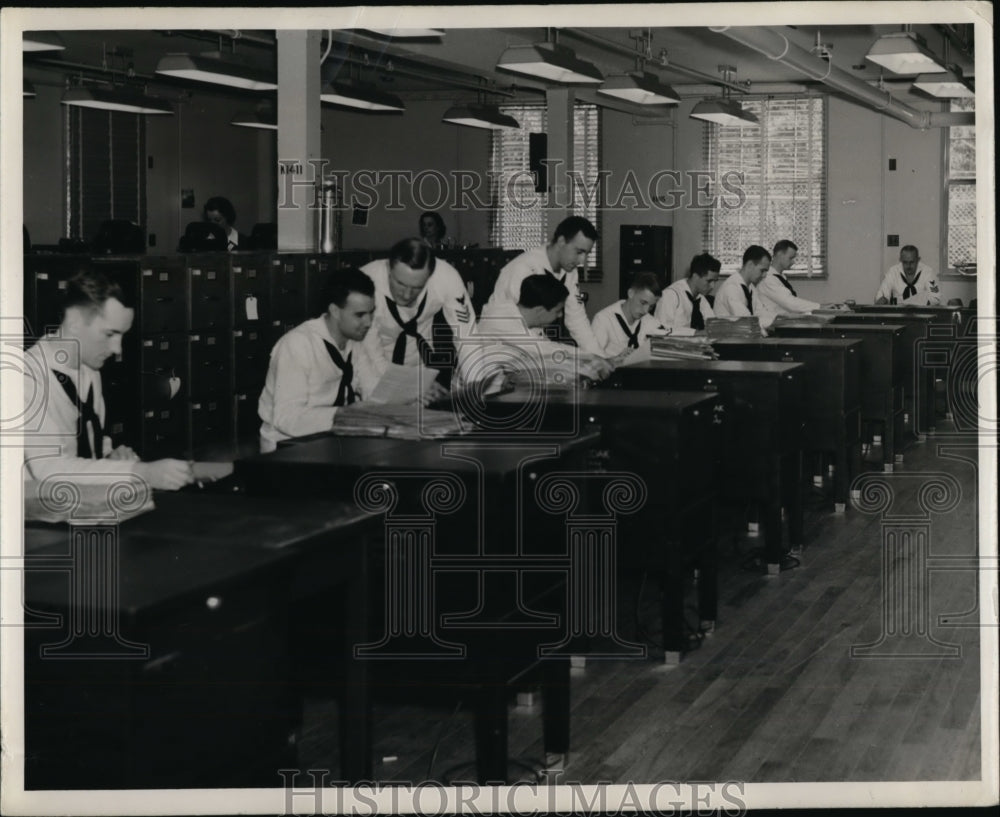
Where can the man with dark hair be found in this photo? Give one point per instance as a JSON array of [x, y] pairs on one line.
[[411, 288], [623, 327], [684, 306], [320, 367], [505, 340], [738, 296], [910, 281], [219, 210], [572, 241], [71, 437], [775, 291]]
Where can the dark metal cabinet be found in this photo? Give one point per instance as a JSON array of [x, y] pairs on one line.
[[288, 293], [251, 288]]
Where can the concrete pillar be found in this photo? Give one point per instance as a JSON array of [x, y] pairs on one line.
[[298, 138]]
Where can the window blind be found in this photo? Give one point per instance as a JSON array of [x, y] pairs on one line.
[[961, 238], [783, 169], [518, 212], [106, 169]]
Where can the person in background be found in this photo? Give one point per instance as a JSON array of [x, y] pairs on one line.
[[775, 291], [219, 210], [321, 367], [910, 281], [504, 340], [70, 439], [572, 241], [684, 307], [411, 287], [738, 296], [432, 230], [624, 326]]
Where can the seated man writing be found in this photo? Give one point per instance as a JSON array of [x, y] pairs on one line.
[[504, 343], [70, 438], [623, 327], [320, 367]]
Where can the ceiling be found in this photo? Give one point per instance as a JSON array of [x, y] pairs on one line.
[[464, 60]]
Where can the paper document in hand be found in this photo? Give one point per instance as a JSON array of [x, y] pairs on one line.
[[402, 384]]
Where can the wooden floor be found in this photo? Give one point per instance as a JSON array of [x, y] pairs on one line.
[[774, 694]]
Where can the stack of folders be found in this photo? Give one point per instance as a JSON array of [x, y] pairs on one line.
[[681, 348], [741, 328], [403, 422]]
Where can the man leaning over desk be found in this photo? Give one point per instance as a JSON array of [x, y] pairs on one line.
[[910, 282], [411, 287], [70, 438], [504, 341], [572, 241]]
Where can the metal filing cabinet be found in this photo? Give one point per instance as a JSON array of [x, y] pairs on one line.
[[288, 293], [644, 248]]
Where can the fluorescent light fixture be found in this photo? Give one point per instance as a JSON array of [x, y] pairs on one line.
[[641, 88], [28, 90], [212, 68], [360, 95], [479, 116], [903, 53], [406, 33], [549, 61], [723, 111], [117, 99], [264, 119], [949, 85], [41, 41]]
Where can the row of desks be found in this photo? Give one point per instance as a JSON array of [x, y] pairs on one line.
[[496, 555]]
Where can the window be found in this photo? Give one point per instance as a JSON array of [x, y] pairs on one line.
[[518, 216], [961, 239], [782, 167], [105, 169]]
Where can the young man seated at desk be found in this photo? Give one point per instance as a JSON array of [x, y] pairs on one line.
[[70, 438], [775, 291], [684, 306], [320, 368], [624, 326], [738, 296], [504, 340]]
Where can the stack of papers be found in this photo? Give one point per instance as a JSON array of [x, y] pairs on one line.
[[741, 328], [689, 348], [403, 422]]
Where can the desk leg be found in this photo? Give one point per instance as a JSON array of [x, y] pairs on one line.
[[791, 478], [672, 614], [774, 548], [889, 433], [555, 705], [841, 468], [708, 583], [491, 732], [355, 709]]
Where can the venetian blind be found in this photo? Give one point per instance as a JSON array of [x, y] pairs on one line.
[[782, 173], [518, 216], [961, 239], [106, 169]]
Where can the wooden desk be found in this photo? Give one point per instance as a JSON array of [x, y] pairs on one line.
[[456, 509], [921, 326], [762, 458], [191, 687], [883, 363], [830, 395], [672, 442]]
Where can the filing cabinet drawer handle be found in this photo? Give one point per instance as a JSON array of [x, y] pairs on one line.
[[163, 299]]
